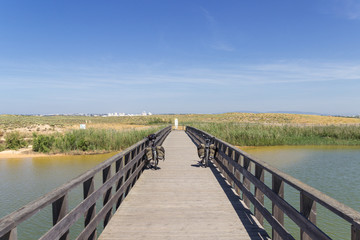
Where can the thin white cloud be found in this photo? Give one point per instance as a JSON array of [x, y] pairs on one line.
[[217, 39], [207, 15], [114, 76], [349, 9], [352, 8]]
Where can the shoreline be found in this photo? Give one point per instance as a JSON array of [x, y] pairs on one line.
[[28, 153]]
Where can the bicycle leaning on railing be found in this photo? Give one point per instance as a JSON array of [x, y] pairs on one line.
[[154, 153], [206, 151]]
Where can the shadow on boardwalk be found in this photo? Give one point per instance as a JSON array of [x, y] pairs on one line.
[[255, 231]]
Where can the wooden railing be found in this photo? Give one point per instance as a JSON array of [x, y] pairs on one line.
[[236, 165], [128, 166]]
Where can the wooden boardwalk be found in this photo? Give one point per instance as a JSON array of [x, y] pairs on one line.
[[182, 201]]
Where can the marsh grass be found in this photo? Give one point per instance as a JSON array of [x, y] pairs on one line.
[[269, 135], [251, 129], [89, 140]]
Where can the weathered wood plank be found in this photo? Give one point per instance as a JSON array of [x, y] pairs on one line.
[[9, 223], [86, 233], [278, 188], [120, 165], [107, 195], [180, 201], [259, 174], [308, 209], [74, 214], [265, 213], [289, 210], [355, 233], [246, 181], [11, 235], [89, 187], [313, 231], [343, 211], [59, 211]]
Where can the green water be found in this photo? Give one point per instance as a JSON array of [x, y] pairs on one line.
[[24, 180], [334, 170]]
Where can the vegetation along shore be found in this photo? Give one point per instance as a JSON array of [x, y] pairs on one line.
[[61, 134], [270, 135]]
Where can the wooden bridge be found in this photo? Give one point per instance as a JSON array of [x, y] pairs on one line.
[[182, 200]]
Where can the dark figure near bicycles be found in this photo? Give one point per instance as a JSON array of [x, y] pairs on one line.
[[154, 153], [206, 151]]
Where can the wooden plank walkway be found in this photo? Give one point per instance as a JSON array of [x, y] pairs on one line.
[[182, 201]]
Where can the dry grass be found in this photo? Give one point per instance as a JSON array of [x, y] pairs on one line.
[[49, 125], [265, 118], [115, 126]]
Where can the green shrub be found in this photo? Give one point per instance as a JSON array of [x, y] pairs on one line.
[[14, 141], [42, 143]]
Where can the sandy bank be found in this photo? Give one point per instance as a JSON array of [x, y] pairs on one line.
[[28, 153], [21, 153]]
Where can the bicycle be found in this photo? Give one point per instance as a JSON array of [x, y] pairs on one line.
[[207, 155], [152, 138]]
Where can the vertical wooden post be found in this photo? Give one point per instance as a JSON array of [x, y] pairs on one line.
[[225, 162], [232, 169], [119, 165], [308, 210], [107, 195], [246, 182], [59, 210], [88, 188], [259, 174], [355, 233], [11, 235], [127, 158], [221, 158], [278, 188], [237, 173]]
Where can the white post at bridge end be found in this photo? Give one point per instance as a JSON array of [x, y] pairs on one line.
[[176, 123]]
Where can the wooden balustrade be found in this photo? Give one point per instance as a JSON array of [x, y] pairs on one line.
[[234, 163], [129, 165]]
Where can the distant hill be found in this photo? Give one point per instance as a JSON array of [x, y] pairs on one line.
[[299, 112], [286, 112]]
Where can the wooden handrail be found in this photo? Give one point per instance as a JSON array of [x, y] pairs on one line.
[[128, 164], [228, 159]]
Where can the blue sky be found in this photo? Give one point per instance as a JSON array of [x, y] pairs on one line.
[[179, 56]]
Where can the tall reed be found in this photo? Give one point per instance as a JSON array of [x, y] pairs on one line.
[[89, 140], [267, 135]]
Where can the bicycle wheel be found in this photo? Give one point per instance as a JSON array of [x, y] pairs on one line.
[[206, 158], [156, 160]]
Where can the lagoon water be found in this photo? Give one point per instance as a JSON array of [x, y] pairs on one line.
[[331, 169], [26, 179]]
